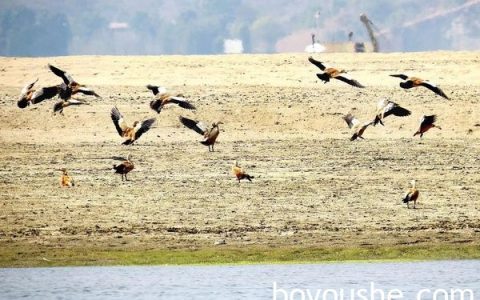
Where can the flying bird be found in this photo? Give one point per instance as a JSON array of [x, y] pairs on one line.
[[70, 87], [411, 195], [357, 128], [333, 73], [240, 173], [60, 105], [65, 179], [123, 168], [426, 123], [29, 95], [130, 133], [386, 108], [210, 134], [411, 82], [163, 98]]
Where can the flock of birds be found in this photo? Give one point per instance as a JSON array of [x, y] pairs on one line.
[[384, 109], [131, 133]]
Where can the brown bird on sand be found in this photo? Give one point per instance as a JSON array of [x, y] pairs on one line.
[[163, 98], [124, 167], [65, 179], [333, 73], [70, 87], [60, 105], [210, 134], [411, 195], [240, 173], [386, 107], [411, 82], [357, 128], [426, 123], [130, 133]]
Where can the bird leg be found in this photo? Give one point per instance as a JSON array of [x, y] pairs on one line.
[[122, 177], [415, 204], [126, 179], [408, 206]]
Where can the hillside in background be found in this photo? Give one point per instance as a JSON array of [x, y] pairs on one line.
[[142, 27]]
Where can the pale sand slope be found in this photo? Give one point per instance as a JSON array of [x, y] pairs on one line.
[[313, 187]]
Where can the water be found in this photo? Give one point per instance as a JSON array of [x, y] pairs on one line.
[[245, 282]]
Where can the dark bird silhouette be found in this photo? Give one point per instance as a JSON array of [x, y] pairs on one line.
[[357, 128], [130, 133], [210, 134], [124, 167], [411, 82], [426, 123], [386, 108], [240, 173], [333, 73], [163, 98], [411, 195]]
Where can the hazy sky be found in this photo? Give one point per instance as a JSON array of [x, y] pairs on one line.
[[55, 27]]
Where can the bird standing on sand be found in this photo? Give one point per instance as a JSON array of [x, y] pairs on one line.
[[130, 133], [124, 167], [210, 134], [240, 173], [386, 107], [357, 127], [426, 123], [411, 195], [411, 82], [65, 179], [333, 73], [162, 98]]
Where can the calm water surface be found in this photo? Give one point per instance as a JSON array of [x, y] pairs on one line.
[[246, 282]]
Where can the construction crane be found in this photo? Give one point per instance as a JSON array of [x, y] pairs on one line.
[[368, 24]]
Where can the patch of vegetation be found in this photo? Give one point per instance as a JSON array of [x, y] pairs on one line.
[[35, 257]]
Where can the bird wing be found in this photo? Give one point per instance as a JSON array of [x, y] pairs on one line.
[[27, 88], [194, 125], [118, 120], [120, 158], [44, 93], [75, 102], [434, 89], [403, 76], [317, 63], [87, 91], [143, 127], [382, 103], [62, 74], [394, 109], [428, 120], [182, 102], [156, 89], [349, 80], [351, 120]]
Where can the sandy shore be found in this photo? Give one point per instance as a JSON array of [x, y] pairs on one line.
[[313, 187]]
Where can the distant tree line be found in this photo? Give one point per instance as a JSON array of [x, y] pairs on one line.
[[56, 27]]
